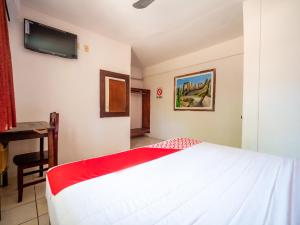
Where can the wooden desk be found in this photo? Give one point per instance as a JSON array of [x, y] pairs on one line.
[[23, 131]]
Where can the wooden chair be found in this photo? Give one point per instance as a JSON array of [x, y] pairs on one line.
[[38, 159]]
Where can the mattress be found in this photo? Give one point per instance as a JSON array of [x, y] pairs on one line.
[[203, 184]]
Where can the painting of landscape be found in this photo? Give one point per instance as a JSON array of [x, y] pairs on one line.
[[195, 91]]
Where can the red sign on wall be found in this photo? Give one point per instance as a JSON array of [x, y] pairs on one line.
[[159, 93]]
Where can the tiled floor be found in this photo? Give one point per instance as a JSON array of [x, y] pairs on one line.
[[142, 141], [32, 210]]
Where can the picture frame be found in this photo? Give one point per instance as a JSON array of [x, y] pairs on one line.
[[195, 91]]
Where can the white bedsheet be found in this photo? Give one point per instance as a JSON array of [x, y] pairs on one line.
[[205, 184]]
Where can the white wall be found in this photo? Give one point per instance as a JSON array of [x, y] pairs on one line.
[[251, 79], [135, 110], [135, 98], [45, 83], [222, 126], [274, 52]]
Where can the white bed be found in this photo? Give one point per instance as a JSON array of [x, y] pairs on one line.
[[205, 184]]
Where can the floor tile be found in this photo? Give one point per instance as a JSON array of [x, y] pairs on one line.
[[31, 222], [19, 214], [9, 201], [44, 219], [12, 185], [11, 188], [40, 190], [142, 141], [42, 206]]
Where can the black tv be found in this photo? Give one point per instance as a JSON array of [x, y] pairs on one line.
[[49, 40]]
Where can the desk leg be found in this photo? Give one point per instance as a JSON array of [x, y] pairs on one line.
[[3, 164]]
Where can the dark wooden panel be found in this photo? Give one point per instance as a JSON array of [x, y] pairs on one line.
[[25, 130], [117, 96], [28, 126], [146, 109], [137, 132]]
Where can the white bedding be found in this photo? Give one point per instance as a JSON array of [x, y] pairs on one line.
[[205, 184]]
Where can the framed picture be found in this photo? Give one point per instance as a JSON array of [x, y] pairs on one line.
[[195, 91]]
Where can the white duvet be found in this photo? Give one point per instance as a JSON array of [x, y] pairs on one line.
[[205, 184]]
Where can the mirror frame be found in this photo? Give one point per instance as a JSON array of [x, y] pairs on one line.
[[103, 113]]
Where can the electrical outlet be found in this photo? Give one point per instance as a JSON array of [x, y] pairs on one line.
[[86, 48]]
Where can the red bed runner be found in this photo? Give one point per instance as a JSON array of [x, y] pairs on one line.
[[66, 175]]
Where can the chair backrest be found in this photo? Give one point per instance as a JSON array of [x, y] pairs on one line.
[[54, 122]]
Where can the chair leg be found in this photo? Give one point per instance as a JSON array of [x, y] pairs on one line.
[[20, 184], [41, 155], [41, 170]]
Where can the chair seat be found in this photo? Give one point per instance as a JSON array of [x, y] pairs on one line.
[[31, 159]]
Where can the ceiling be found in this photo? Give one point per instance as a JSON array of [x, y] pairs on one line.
[[166, 29]]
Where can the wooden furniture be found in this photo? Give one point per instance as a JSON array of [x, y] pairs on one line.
[[136, 132], [114, 94], [23, 131], [38, 159]]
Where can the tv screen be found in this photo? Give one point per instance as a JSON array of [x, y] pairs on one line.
[[49, 40]]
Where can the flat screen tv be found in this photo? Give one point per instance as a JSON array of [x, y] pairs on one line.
[[49, 40]]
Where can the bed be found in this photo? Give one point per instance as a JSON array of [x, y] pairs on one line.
[[180, 181]]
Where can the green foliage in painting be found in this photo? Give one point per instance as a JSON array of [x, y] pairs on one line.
[[194, 91]]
